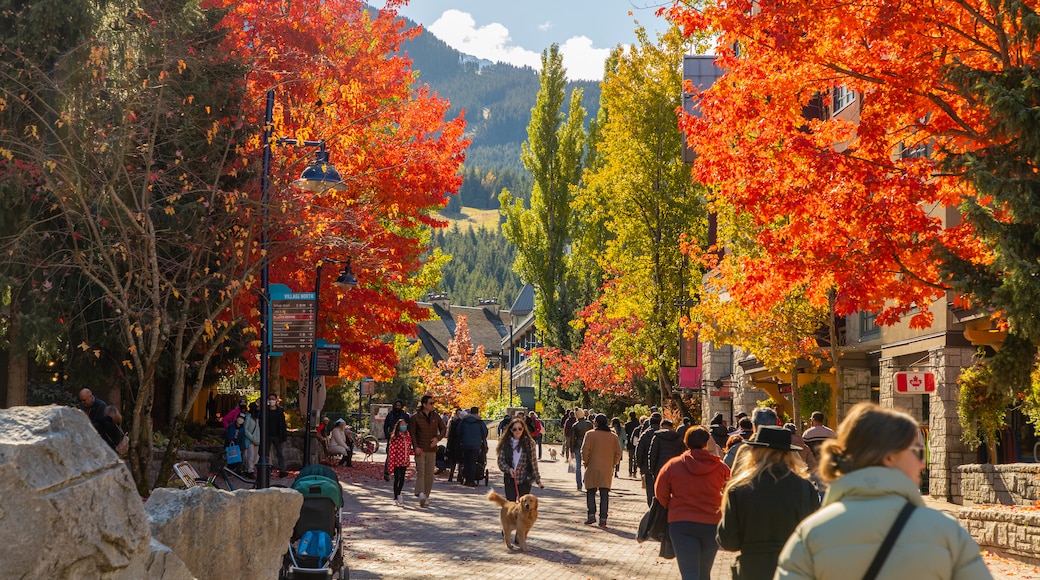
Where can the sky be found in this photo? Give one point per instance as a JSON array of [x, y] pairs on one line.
[[517, 31]]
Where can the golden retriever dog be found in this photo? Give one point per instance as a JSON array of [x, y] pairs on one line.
[[552, 453], [519, 515]]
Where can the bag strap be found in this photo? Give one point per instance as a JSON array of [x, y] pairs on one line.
[[890, 540]]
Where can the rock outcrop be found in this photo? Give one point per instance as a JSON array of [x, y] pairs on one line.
[[68, 505], [69, 509], [221, 534]]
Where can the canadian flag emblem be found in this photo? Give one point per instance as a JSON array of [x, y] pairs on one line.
[[907, 382]]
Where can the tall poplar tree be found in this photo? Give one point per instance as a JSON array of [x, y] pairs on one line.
[[643, 198], [541, 233]]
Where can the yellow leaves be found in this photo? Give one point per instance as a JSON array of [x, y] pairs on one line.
[[209, 330], [170, 211], [84, 346], [181, 66]]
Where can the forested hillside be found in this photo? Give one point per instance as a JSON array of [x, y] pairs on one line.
[[497, 100], [481, 266]]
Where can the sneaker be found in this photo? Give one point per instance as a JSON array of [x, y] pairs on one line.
[[422, 500], [590, 521], [398, 502], [603, 523], [386, 477]]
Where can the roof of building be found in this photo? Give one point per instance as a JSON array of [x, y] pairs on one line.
[[486, 327], [524, 303]]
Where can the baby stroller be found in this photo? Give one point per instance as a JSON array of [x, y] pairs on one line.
[[316, 547], [482, 468]]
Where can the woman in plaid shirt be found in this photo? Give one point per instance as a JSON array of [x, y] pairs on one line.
[[518, 460]]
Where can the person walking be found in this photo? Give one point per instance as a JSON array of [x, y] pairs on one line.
[[819, 432], [472, 436], [580, 427], [690, 488], [252, 451], [874, 470], [538, 433], [278, 433], [397, 412], [768, 496], [600, 452], [619, 430], [630, 442], [427, 429], [517, 460], [664, 445], [398, 452]]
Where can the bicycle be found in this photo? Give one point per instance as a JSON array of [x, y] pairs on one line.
[[231, 478], [366, 443]]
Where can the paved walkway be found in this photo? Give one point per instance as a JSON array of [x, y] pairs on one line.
[[458, 534]]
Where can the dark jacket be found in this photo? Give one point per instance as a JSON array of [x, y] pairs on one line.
[[664, 445], [110, 432], [720, 435], [277, 430], [424, 428], [453, 449], [96, 412], [391, 420], [630, 430], [758, 519], [578, 431], [646, 436], [472, 432]]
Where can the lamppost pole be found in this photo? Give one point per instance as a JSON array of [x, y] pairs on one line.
[[313, 374], [263, 466]]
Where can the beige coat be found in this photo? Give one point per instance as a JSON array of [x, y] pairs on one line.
[[600, 452]]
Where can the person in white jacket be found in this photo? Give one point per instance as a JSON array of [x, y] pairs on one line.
[[874, 469]]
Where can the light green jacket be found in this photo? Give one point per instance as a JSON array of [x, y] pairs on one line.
[[839, 541]]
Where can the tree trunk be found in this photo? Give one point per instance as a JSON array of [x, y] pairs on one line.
[[835, 360], [665, 383], [17, 357], [796, 397]]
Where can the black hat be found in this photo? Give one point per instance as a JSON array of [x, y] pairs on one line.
[[717, 419], [773, 437]]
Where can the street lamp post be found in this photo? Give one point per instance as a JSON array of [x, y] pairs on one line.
[[318, 176], [346, 280]]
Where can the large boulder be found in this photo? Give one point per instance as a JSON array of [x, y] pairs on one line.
[[221, 534], [68, 505]]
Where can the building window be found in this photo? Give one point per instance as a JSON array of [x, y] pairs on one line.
[[843, 97], [868, 328]]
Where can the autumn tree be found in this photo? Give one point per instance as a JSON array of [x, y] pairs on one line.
[[541, 233], [445, 379], [151, 163], [640, 194], [940, 88]]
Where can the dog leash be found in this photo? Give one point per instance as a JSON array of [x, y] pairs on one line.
[[516, 486]]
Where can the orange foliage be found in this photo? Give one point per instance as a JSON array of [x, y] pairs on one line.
[[339, 76], [833, 203]]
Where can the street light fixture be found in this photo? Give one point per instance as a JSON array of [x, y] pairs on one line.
[[346, 281], [319, 176]]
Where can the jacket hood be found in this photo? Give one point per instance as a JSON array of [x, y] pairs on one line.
[[472, 419], [700, 462], [873, 482]]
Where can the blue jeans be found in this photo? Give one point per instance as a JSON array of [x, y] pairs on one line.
[[577, 467], [695, 548]]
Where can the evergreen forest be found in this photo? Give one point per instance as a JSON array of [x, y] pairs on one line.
[[481, 266]]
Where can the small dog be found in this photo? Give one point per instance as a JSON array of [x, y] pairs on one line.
[[519, 515], [552, 454]]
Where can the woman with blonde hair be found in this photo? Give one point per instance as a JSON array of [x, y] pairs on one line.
[[873, 503], [768, 496]]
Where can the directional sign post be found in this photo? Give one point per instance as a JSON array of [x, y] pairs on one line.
[[292, 319], [328, 359]]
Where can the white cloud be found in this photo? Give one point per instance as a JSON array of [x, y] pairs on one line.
[[459, 31], [545, 26], [492, 42], [583, 62]]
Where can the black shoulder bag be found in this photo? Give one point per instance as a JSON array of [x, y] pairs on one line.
[[890, 540]]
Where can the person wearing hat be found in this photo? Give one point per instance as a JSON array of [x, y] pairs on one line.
[[718, 430], [577, 438], [763, 416], [341, 444], [770, 493]]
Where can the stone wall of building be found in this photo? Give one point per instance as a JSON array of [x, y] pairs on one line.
[[946, 450], [1005, 532], [855, 389], [1011, 484]]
